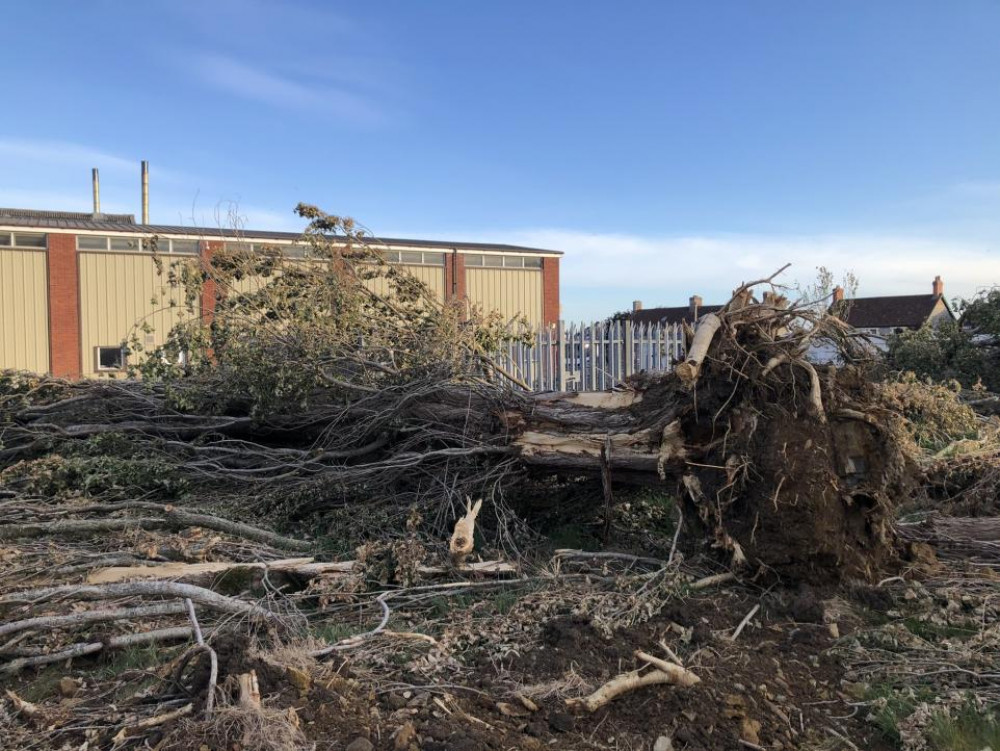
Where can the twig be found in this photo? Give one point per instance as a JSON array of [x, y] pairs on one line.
[[213, 673], [202, 596], [844, 739], [91, 616], [670, 653], [356, 640], [677, 533], [174, 518], [115, 642], [713, 580], [744, 622], [606, 486], [151, 722], [664, 672], [571, 553]]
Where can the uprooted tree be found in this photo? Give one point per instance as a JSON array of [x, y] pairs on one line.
[[334, 379]]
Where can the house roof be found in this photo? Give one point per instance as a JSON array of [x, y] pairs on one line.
[[905, 311], [670, 315], [70, 220]]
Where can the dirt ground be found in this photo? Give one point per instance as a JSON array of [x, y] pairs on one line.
[[472, 660], [502, 667]]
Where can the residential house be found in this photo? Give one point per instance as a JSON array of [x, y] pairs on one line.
[[884, 316], [689, 313]]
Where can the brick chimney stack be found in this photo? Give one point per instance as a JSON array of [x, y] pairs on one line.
[[938, 287], [636, 306], [693, 304], [838, 294]]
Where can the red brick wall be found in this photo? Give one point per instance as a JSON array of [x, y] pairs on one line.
[[550, 290], [460, 287], [65, 358], [449, 276]]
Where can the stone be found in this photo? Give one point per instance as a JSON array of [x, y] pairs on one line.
[[395, 701], [360, 744], [663, 743]]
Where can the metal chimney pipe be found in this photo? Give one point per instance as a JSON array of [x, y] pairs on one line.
[[96, 178], [145, 192]]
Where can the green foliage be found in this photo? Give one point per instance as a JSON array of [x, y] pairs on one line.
[[969, 728], [967, 351], [288, 330], [136, 657], [575, 535], [331, 632], [890, 706], [104, 464], [935, 632]]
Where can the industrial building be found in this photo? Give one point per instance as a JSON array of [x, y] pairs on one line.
[[74, 285]]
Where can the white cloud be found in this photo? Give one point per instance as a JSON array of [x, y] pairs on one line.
[[248, 82], [601, 273], [29, 154], [62, 153]]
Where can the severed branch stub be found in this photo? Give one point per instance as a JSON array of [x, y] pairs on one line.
[[662, 673], [689, 370], [463, 538]]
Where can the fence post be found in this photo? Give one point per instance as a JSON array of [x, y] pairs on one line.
[[629, 348], [561, 354]]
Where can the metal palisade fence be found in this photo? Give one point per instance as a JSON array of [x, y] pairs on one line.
[[592, 356]]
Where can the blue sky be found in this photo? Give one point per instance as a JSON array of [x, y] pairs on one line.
[[669, 148]]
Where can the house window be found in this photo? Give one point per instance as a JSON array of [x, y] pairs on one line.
[[110, 358]]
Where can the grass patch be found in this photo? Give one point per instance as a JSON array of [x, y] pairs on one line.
[[576, 536], [331, 632], [935, 631], [442, 606], [968, 729], [139, 657], [895, 706], [505, 601], [45, 684]]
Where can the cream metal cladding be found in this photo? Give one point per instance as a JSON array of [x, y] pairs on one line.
[[426, 266], [24, 335], [119, 291], [510, 290]]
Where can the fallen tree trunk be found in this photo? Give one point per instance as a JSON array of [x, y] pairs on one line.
[[776, 464], [306, 568], [174, 518], [200, 595]]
